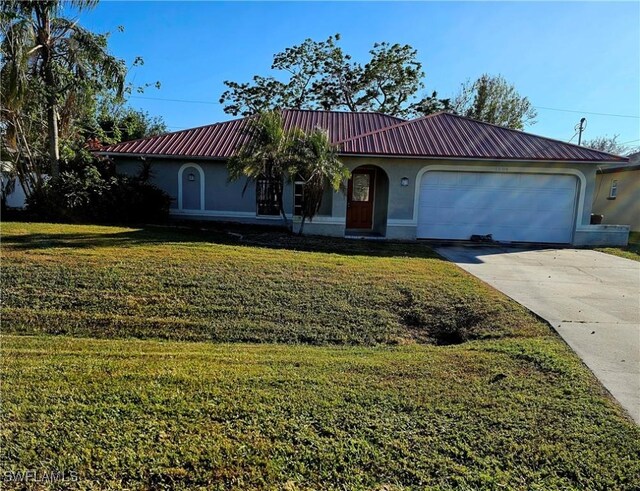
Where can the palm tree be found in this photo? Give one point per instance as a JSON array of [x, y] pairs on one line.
[[49, 56], [318, 165], [277, 155], [268, 154]]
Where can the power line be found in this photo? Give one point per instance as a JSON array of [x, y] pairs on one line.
[[587, 112], [191, 101], [172, 100], [574, 135]]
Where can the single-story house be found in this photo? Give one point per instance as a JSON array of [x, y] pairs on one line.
[[617, 194], [441, 177]]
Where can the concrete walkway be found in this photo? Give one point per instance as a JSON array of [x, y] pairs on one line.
[[592, 299]]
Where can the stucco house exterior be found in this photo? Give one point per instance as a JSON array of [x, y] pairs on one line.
[[440, 177], [617, 195]]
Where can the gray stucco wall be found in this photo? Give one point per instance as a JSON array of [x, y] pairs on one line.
[[164, 176], [326, 207], [226, 201], [223, 200]]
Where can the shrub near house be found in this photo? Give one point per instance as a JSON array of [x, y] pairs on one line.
[[87, 195]]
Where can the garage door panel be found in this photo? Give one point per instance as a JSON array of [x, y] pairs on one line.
[[510, 200], [551, 201], [478, 198], [547, 221], [446, 179], [511, 207], [542, 181], [508, 181], [467, 179]]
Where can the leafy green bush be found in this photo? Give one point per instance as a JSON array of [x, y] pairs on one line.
[[87, 195]]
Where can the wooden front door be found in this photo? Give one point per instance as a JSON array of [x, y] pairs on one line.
[[360, 199]]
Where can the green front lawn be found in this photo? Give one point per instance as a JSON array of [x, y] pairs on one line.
[[631, 251], [358, 391], [512, 414], [196, 286]]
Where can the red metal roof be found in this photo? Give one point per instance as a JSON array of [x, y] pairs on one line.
[[221, 139], [438, 135], [452, 136]]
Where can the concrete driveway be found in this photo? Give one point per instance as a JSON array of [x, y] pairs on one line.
[[592, 299]]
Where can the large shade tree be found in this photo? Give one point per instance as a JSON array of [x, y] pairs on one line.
[[494, 100], [49, 64], [320, 75], [114, 121]]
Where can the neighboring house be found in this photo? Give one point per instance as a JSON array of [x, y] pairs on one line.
[[10, 187], [438, 177], [617, 195]]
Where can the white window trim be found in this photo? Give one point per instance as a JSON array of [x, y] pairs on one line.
[[180, 172], [295, 183], [613, 189]]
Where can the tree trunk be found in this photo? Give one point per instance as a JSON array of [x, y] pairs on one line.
[[54, 146], [52, 117], [285, 220], [50, 87], [302, 225], [27, 173], [282, 212]]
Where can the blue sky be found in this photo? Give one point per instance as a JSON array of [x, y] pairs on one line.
[[577, 56]]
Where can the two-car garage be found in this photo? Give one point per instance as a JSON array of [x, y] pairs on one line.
[[511, 206]]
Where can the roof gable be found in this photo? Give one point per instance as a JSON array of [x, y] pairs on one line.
[[440, 135], [451, 136], [220, 140]]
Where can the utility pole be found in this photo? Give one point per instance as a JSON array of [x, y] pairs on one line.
[[580, 127]]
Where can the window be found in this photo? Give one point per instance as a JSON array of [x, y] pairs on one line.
[[613, 191], [267, 192], [298, 193], [361, 184]]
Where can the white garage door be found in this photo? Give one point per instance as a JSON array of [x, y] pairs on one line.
[[511, 207]]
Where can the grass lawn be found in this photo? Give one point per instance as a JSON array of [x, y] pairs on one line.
[[195, 286], [631, 251], [332, 368]]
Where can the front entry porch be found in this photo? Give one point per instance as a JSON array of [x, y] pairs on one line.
[[367, 203]]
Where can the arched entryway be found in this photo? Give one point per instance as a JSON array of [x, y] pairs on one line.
[[191, 187], [367, 201]]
